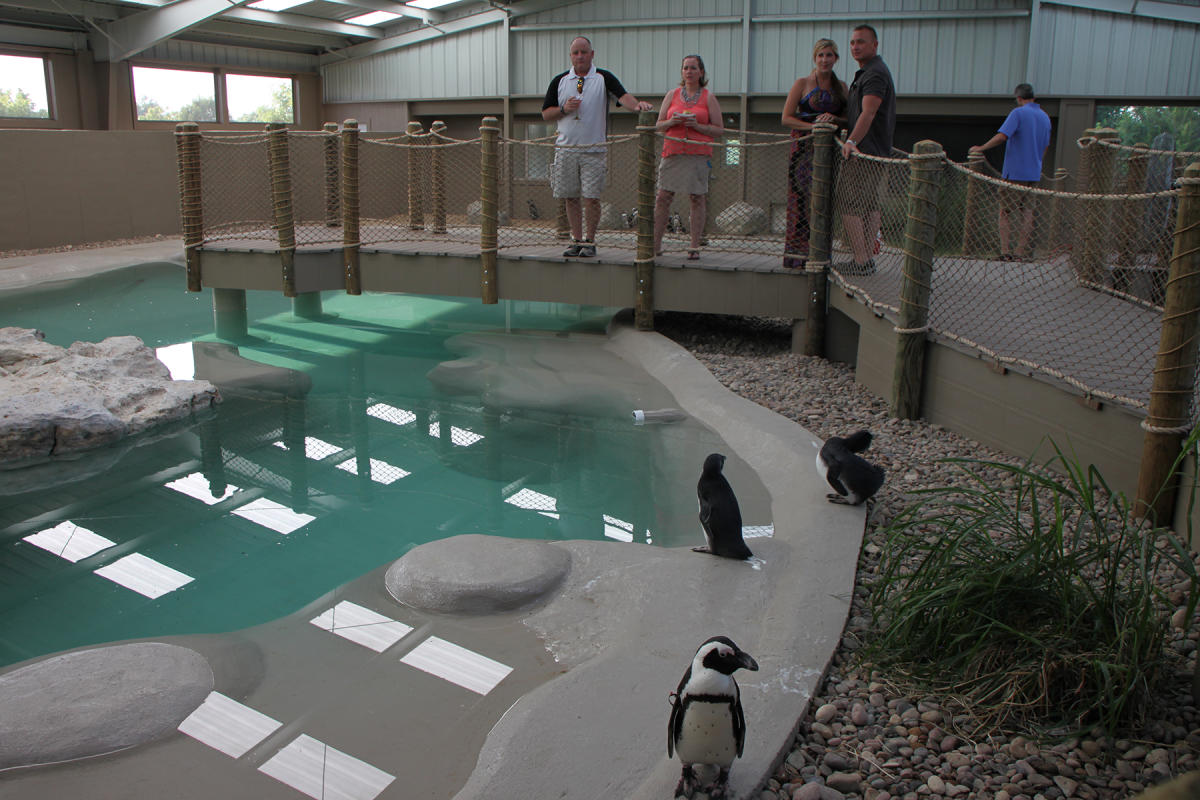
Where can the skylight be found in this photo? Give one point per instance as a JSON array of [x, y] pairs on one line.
[[429, 3], [374, 18], [276, 5]]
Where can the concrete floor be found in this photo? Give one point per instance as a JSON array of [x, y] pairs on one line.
[[582, 711]]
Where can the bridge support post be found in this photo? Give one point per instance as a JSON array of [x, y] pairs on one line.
[[643, 311], [333, 200], [187, 148], [489, 176], [229, 313], [438, 168], [350, 233], [820, 240], [973, 216], [416, 181], [927, 160], [307, 305], [1170, 414], [281, 201]]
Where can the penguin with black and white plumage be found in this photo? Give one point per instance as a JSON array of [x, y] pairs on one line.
[[853, 477], [707, 725], [719, 512]]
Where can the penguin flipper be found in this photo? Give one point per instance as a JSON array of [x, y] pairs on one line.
[[739, 723], [833, 476], [675, 724]]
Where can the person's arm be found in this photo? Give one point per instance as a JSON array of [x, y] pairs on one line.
[[713, 129], [665, 122], [870, 107], [998, 139], [633, 104], [788, 118]]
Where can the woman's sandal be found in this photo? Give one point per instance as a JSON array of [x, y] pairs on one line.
[[693, 255]]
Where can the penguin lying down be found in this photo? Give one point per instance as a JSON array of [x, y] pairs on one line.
[[719, 512], [853, 477], [707, 725]]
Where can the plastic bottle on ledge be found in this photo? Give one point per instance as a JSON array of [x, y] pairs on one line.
[[658, 416]]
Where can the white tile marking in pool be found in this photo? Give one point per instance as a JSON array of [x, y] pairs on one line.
[[757, 531], [196, 486], [314, 448], [381, 471], [457, 664], [321, 772], [227, 725], [68, 540], [362, 626], [144, 575], [396, 416], [270, 514]]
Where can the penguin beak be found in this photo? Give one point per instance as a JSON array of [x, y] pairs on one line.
[[746, 662]]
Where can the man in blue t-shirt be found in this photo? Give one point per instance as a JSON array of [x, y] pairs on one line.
[[1026, 130]]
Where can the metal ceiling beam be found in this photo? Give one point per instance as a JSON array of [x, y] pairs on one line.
[[273, 33], [428, 17], [1151, 9], [41, 37], [76, 8], [128, 36], [410, 38], [300, 22]]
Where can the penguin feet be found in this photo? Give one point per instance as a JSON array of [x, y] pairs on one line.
[[687, 782], [702, 549], [717, 790], [837, 498]]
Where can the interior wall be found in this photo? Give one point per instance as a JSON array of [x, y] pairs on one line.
[[71, 187]]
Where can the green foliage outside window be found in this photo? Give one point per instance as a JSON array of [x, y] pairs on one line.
[[1141, 124], [18, 103]]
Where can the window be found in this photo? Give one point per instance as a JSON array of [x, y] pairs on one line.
[[175, 94], [259, 98], [23, 91], [537, 158]]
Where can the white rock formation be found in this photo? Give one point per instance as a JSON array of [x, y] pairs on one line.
[[57, 401], [742, 219]]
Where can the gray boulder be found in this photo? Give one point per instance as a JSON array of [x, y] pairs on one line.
[[742, 219]]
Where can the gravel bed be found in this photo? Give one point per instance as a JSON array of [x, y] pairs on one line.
[[863, 736]]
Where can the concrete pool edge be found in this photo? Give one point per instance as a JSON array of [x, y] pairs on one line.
[[598, 729]]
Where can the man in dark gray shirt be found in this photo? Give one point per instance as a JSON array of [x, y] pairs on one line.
[[872, 119]]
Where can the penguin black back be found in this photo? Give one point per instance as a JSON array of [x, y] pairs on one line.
[[720, 515], [850, 475]]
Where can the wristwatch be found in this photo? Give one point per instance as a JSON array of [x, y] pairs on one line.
[[851, 141]]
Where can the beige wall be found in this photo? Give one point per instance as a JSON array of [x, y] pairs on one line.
[[71, 187]]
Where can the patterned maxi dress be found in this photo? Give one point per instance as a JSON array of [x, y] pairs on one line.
[[818, 101]]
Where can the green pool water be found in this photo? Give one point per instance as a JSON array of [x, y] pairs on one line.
[[342, 442]]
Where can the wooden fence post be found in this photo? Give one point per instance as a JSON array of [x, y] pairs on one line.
[[973, 213], [820, 238], [191, 206], [489, 175], [281, 200], [643, 312], [925, 184], [416, 195], [1093, 242], [350, 207], [333, 199], [1130, 224], [1054, 232], [1170, 414], [438, 168]]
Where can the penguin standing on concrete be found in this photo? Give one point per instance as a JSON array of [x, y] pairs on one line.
[[853, 477], [707, 724], [719, 512]]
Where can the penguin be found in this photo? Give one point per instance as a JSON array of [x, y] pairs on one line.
[[707, 724], [533, 210], [719, 512], [853, 477]]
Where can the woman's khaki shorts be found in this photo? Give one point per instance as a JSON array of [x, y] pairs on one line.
[[684, 174]]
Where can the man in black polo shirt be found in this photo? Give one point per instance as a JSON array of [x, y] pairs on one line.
[[872, 119]]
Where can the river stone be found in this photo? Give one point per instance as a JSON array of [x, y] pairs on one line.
[[97, 701], [56, 401], [474, 574]]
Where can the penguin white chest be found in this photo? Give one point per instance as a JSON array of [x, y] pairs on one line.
[[822, 469], [706, 736]]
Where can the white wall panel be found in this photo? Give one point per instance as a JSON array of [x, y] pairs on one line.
[[1089, 53]]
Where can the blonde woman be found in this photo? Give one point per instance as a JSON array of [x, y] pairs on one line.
[[688, 112], [816, 97]]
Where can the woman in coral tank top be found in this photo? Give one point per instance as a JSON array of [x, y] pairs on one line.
[[690, 118]]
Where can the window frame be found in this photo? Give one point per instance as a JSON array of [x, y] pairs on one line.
[[220, 95]]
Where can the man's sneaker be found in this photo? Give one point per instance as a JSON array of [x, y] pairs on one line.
[[587, 250], [574, 250]]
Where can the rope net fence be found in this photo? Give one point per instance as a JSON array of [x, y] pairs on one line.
[[1064, 279]]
